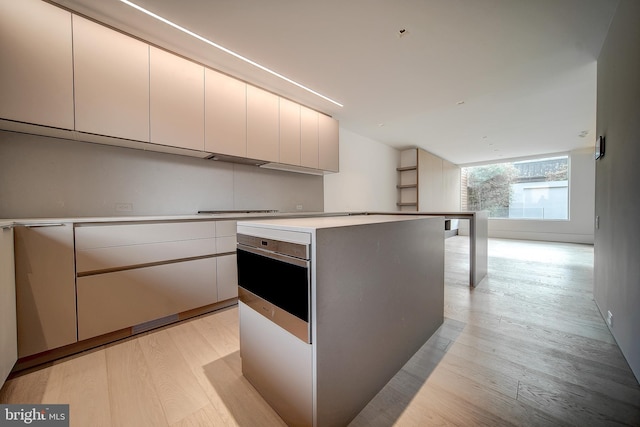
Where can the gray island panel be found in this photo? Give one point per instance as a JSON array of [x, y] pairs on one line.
[[379, 296]]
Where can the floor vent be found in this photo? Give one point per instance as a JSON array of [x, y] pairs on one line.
[[147, 326]]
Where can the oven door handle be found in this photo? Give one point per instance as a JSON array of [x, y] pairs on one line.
[[273, 255]]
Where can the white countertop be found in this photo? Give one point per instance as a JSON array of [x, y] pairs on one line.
[[312, 223]]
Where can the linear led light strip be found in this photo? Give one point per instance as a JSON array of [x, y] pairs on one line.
[[230, 52]]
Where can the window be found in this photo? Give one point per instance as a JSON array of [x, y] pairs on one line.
[[529, 189]]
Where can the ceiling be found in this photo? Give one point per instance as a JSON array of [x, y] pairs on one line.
[[468, 80]]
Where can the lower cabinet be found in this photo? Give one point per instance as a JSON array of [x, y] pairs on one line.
[[73, 284], [45, 287], [227, 277], [8, 334], [111, 301]]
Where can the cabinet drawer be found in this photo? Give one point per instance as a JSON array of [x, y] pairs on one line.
[[104, 236], [226, 228], [226, 244], [122, 256], [112, 301]]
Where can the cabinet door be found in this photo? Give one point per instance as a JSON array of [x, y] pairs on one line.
[[36, 67], [176, 100], [450, 187], [289, 132], [8, 333], [111, 77], [328, 150], [112, 301], [429, 182], [225, 129], [263, 126], [45, 287], [227, 277], [308, 138]]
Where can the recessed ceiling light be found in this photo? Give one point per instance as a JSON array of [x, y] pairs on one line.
[[229, 51]]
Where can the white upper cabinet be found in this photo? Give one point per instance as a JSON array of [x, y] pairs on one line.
[[308, 138], [328, 150], [225, 115], [111, 76], [289, 132], [36, 66], [62, 72], [263, 126], [176, 101]]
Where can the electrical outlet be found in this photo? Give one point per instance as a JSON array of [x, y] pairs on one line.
[[124, 207], [609, 318], [299, 207]]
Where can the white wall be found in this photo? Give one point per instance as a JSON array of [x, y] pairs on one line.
[[617, 246], [580, 226], [49, 177], [367, 178]]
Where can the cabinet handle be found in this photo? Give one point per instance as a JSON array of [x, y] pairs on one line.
[[52, 224]]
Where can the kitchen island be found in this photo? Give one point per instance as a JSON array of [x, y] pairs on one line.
[[375, 295]]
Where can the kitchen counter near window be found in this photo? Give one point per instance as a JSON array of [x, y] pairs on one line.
[[478, 233]]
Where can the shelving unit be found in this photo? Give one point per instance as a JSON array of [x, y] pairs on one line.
[[408, 181], [427, 182]]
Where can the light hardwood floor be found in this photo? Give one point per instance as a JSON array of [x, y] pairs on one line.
[[527, 347]]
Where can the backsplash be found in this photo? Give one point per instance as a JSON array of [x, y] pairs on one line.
[[47, 177]]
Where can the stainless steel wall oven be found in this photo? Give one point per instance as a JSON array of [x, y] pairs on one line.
[[274, 279]]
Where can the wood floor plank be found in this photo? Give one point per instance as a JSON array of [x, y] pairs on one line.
[[220, 376], [553, 358], [78, 381], [133, 398], [396, 405], [26, 388], [603, 352], [241, 399], [220, 335], [198, 353], [175, 384], [491, 399], [206, 417], [478, 376], [579, 406], [518, 361], [431, 400]]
